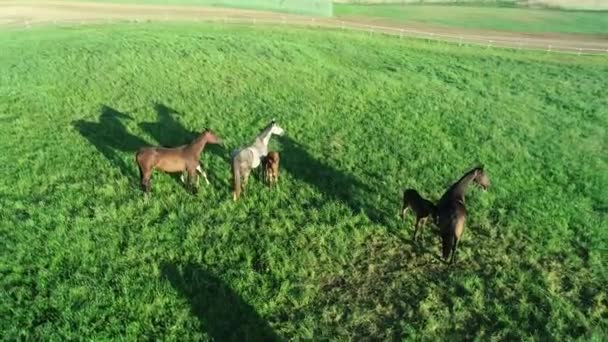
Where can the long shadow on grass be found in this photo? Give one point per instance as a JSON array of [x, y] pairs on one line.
[[168, 131], [332, 182], [224, 315], [110, 135]]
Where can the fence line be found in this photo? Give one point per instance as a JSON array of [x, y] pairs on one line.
[[514, 43]]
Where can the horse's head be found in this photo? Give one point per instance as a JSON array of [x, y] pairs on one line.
[[273, 156], [211, 137], [481, 178], [275, 128]]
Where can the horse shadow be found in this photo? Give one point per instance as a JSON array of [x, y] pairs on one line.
[[330, 181], [110, 136], [167, 130], [224, 315]]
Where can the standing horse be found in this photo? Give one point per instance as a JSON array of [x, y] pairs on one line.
[[250, 157], [182, 159], [452, 212], [270, 168], [422, 208]]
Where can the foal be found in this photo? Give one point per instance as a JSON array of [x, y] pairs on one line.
[[250, 157], [422, 208], [181, 159], [271, 167], [452, 212]]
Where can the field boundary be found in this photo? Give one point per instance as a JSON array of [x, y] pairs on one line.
[[62, 13]]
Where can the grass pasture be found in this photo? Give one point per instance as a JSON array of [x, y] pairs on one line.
[[482, 17], [85, 255]]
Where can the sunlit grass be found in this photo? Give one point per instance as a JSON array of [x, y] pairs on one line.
[[85, 255], [486, 17]]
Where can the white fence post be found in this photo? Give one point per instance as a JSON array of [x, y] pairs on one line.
[[400, 33]]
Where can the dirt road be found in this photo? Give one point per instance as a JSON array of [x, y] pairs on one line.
[[26, 13]]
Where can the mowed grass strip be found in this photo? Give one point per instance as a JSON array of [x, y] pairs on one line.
[[84, 254]]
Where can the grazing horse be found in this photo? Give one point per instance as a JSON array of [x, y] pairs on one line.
[[182, 159], [250, 157], [423, 209], [270, 167], [452, 212]]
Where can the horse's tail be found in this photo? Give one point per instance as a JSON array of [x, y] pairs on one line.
[[236, 178]]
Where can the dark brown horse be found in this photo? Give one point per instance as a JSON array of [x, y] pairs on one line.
[[422, 208], [182, 159], [452, 212]]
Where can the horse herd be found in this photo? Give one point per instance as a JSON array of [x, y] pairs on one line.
[[448, 214]]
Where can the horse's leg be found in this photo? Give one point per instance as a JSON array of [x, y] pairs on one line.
[[404, 208], [236, 179], [422, 224], [141, 177], [245, 180], [202, 172], [454, 248], [416, 226], [145, 179], [205, 177], [193, 180]]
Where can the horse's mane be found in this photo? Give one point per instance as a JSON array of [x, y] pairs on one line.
[[268, 127]]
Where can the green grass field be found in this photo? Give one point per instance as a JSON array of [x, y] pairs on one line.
[[85, 255], [485, 17]]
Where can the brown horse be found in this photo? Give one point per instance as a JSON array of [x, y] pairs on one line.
[[423, 209], [452, 212], [182, 159], [271, 167]]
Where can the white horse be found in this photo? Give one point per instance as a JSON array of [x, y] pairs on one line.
[[250, 157]]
